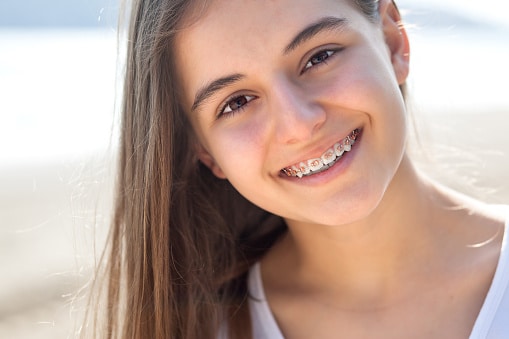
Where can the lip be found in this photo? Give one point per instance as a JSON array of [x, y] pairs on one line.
[[334, 170]]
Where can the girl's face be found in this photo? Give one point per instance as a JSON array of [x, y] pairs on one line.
[[275, 88]]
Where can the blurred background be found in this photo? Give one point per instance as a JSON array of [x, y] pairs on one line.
[[58, 82], [57, 102]]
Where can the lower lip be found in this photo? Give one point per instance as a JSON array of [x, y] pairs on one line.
[[337, 169]]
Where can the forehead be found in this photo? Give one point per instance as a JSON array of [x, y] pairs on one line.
[[239, 36]]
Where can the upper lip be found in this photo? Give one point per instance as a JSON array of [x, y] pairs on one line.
[[317, 151]]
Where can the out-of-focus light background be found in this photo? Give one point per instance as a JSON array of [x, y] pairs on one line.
[[58, 62], [57, 96]]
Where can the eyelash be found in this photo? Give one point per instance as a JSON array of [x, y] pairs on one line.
[[326, 53], [309, 64], [230, 101]]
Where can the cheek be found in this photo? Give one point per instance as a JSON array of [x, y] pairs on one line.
[[368, 87], [373, 91], [364, 88], [238, 147]]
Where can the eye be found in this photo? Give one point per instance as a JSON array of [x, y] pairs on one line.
[[235, 104], [318, 58]]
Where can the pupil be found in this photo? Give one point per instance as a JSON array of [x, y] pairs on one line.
[[239, 102], [320, 57]]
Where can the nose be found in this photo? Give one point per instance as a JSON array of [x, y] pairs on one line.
[[296, 114]]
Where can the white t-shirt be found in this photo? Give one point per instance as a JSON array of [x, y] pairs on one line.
[[492, 322]]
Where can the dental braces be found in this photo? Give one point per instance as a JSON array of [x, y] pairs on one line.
[[328, 158]]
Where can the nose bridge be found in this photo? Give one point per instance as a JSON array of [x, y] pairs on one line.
[[296, 114]]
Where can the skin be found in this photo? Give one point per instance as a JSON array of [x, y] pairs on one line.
[[374, 249]]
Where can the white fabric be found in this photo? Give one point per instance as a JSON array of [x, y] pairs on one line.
[[492, 322], [263, 322]]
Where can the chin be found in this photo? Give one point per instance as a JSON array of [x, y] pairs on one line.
[[357, 208]]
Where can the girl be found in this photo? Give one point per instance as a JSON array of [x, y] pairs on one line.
[[264, 189]]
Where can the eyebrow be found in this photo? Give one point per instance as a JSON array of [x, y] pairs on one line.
[[209, 89], [328, 23]]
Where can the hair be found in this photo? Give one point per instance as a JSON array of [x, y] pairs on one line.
[[182, 240]]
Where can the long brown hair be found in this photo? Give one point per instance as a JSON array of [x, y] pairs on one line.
[[181, 241]]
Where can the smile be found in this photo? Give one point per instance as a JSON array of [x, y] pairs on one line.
[[325, 161]]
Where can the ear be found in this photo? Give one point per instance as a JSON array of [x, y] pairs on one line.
[[396, 39], [208, 160]]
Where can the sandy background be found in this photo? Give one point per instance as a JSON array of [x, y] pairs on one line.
[[55, 187], [53, 222]]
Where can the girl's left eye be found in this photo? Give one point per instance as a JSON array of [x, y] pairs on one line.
[[318, 58]]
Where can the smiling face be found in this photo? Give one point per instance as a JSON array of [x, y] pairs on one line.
[[297, 103]]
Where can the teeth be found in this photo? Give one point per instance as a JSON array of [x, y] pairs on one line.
[[315, 164], [338, 147], [328, 158], [296, 171], [304, 169]]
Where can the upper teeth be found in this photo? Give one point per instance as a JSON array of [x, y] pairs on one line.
[[326, 160]]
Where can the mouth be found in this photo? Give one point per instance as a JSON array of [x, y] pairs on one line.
[[325, 161]]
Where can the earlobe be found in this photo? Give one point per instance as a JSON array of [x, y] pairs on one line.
[[396, 39], [208, 160]]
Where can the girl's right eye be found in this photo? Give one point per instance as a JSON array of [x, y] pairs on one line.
[[235, 105]]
